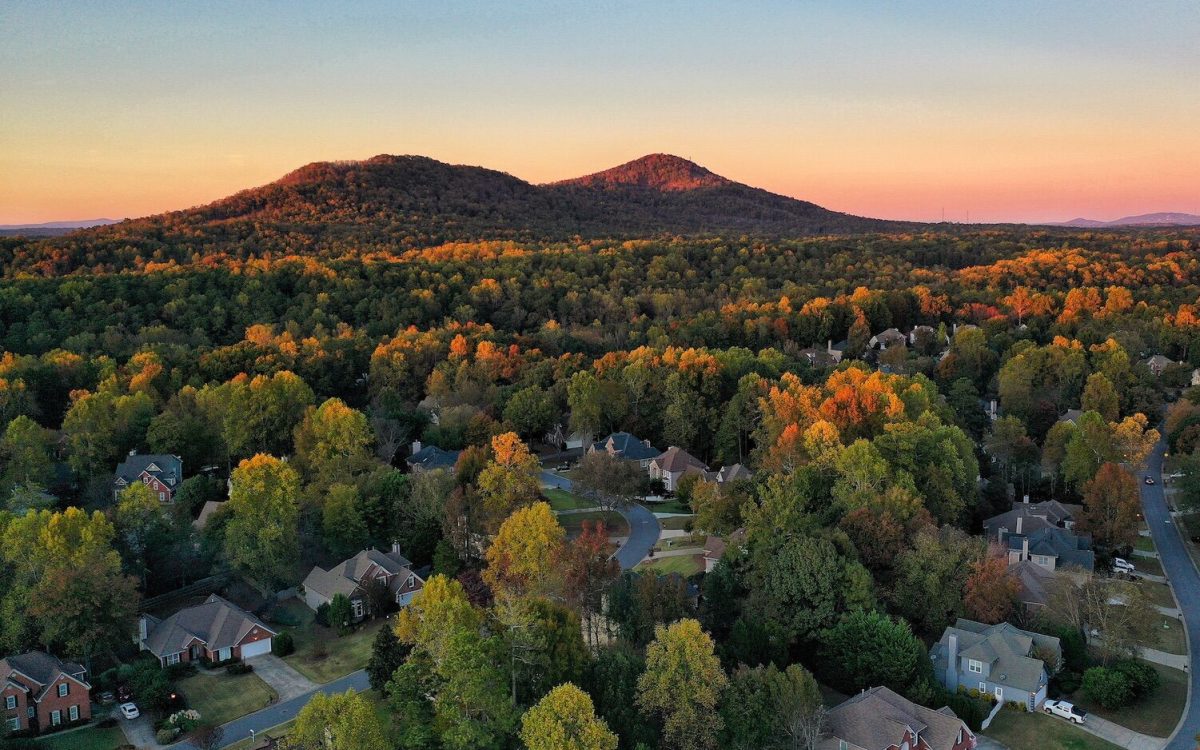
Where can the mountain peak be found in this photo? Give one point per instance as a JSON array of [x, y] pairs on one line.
[[655, 171]]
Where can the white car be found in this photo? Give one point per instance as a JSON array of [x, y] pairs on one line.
[[1066, 710], [1121, 565], [130, 711]]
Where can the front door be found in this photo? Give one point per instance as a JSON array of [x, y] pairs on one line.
[[999, 694], [195, 652]]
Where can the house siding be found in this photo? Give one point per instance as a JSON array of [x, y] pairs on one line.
[[51, 702]]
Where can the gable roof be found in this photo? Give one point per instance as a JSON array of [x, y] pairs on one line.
[[166, 468], [1033, 579], [675, 459], [1034, 516], [733, 473], [344, 577], [40, 668], [627, 446], [433, 457], [1006, 648], [1069, 548], [876, 719], [216, 623]]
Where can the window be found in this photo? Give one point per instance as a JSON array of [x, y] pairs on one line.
[[73, 713], [356, 607], [55, 718], [14, 724], [983, 687], [843, 745], [30, 712], [975, 666], [225, 654], [172, 659], [162, 497], [63, 689], [10, 701]]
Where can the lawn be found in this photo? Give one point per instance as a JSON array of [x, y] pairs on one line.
[[1165, 634], [1156, 716], [563, 500], [276, 732], [1144, 543], [88, 738], [671, 505], [222, 697], [1149, 565], [341, 655], [681, 542], [1019, 730], [1158, 593], [684, 565], [677, 522], [573, 522]]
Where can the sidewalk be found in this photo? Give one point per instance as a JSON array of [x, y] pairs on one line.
[[1120, 736]]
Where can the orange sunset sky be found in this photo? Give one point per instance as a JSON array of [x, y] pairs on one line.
[[1010, 111]]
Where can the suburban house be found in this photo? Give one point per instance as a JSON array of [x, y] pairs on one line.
[[817, 357], [41, 691], [715, 546], [1035, 581], [1052, 548], [626, 446], [215, 631], [880, 719], [890, 337], [838, 350], [430, 457], [1072, 416], [1027, 517], [1158, 363], [923, 332], [673, 464], [731, 473], [559, 436], [1000, 660], [352, 576], [161, 473]]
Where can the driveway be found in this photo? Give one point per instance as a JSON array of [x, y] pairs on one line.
[[1120, 736], [1185, 582], [643, 526], [272, 716], [286, 681], [139, 732]]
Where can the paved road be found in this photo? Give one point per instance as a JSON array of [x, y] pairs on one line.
[[1184, 580], [643, 526], [271, 716]]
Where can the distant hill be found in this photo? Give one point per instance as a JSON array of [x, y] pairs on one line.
[[51, 228], [1163, 219]]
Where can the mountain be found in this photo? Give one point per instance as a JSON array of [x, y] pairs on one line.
[[51, 228], [656, 171], [1162, 219]]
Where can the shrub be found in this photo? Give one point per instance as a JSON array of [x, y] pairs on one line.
[[165, 736], [1108, 687], [968, 709], [283, 644], [322, 615], [108, 723], [181, 670], [239, 667], [1143, 678], [1066, 682]]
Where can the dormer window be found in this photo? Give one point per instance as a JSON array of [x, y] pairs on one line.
[[974, 666]]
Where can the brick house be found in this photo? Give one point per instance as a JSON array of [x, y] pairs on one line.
[[215, 631], [352, 576], [880, 719], [40, 691], [161, 473]]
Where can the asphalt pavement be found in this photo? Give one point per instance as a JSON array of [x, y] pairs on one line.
[[643, 526]]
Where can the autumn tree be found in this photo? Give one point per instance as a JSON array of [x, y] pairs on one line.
[[564, 719], [682, 685], [261, 536], [525, 555], [1111, 503], [589, 569], [991, 590], [262, 412], [333, 442], [339, 721], [611, 481], [510, 480], [1100, 396]]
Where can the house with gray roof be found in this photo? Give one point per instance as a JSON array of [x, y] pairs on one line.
[[1000, 660], [215, 631], [39, 691], [626, 446], [1027, 517], [160, 472], [1052, 548], [352, 577], [880, 719], [430, 457], [731, 473]]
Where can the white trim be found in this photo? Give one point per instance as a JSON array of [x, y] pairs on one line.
[[64, 690], [55, 717], [73, 713], [974, 667], [10, 702], [172, 659], [15, 723]]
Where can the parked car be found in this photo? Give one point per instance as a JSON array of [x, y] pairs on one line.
[[130, 711], [1066, 710], [1121, 565], [107, 697], [124, 693], [1149, 479], [563, 467]]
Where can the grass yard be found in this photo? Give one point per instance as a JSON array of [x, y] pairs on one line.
[[1149, 565], [684, 565], [342, 655], [573, 522], [1144, 543], [1019, 730], [671, 505], [1155, 716], [221, 697], [276, 732], [563, 500], [681, 542], [1169, 638], [88, 738], [677, 522], [1158, 593], [291, 613]]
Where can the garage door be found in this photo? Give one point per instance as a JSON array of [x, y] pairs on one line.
[[258, 648]]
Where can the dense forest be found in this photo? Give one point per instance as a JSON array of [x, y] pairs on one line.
[[295, 339]]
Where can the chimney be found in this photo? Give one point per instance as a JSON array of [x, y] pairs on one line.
[[1025, 548], [952, 659], [1025, 499], [954, 328], [396, 548], [133, 451], [416, 447], [1019, 520], [143, 629], [646, 443]]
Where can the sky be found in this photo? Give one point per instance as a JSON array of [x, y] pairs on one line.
[[1023, 110]]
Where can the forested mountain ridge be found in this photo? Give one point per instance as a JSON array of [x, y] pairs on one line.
[[390, 204]]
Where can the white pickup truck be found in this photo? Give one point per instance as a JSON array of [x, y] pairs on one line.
[[1065, 710]]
